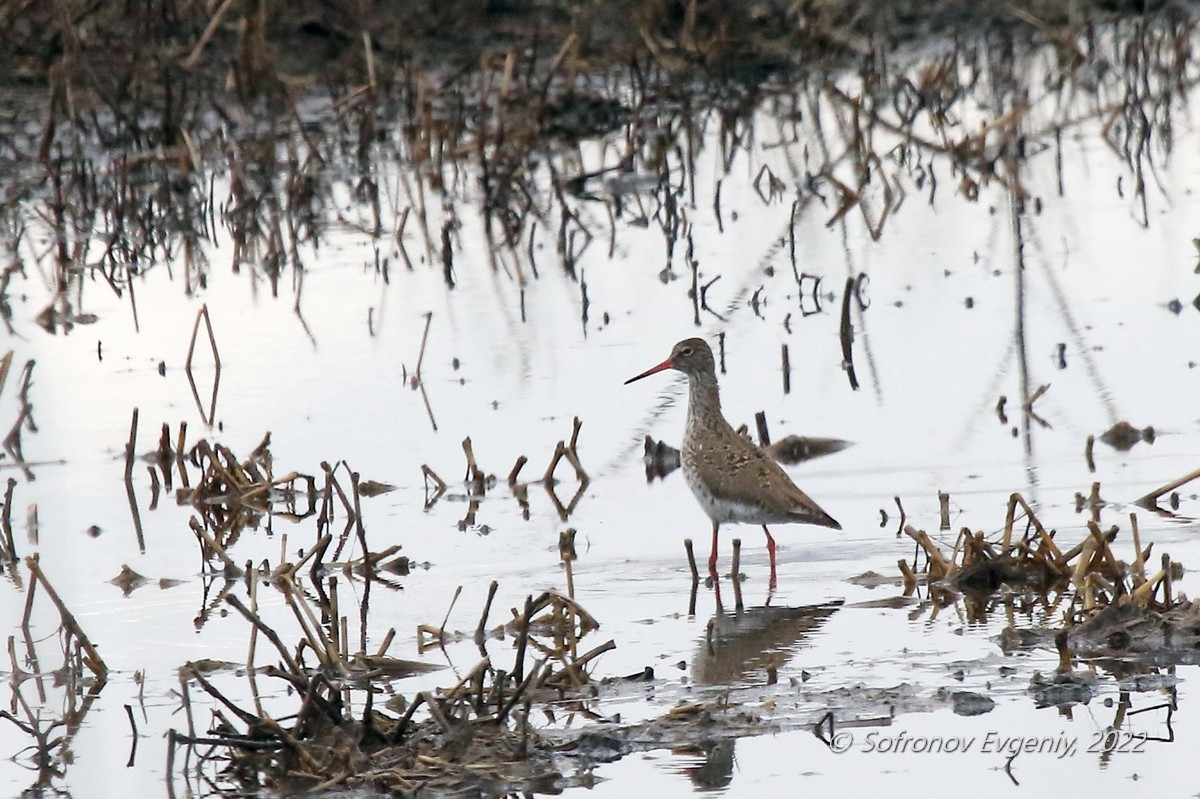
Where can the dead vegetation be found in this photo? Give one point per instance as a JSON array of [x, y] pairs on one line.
[[67, 666], [137, 116], [474, 735], [1108, 606], [119, 176], [477, 483]]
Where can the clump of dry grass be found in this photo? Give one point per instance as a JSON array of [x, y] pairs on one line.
[[1104, 601], [473, 734]]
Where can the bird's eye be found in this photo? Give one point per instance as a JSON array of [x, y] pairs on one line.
[[686, 351]]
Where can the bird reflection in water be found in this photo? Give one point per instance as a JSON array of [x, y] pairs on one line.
[[747, 645], [741, 648], [715, 771]]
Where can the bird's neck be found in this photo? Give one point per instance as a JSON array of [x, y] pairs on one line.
[[704, 401]]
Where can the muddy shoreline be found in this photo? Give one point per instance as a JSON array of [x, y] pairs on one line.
[[180, 49]]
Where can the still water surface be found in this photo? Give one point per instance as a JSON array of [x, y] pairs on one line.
[[964, 302]]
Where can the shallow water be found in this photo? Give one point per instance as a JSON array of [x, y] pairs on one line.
[[965, 302]]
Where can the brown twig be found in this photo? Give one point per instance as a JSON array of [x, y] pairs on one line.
[[272, 636], [92, 659], [487, 609], [939, 567], [572, 453], [846, 334], [131, 446], [560, 449], [212, 339], [516, 470], [691, 556], [736, 575], [523, 640], [424, 339], [1138, 574], [1150, 500]]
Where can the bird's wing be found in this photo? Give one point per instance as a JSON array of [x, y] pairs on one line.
[[779, 494]]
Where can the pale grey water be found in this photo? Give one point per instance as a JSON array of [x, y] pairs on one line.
[[1097, 278]]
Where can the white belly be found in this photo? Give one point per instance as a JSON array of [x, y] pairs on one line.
[[719, 510]]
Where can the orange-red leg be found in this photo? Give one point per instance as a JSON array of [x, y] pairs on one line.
[[712, 556], [771, 552]]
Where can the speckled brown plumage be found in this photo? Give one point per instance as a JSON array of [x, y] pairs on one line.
[[733, 480]]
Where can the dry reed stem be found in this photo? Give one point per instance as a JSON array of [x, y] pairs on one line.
[[424, 339], [206, 36], [469, 452], [359, 528], [1103, 551], [1139, 563], [386, 643], [479, 668], [1145, 591], [131, 446], [1168, 600], [335, 638], [252, 581], [572, 453], [5, 365], [736, 575], [594, 653], [1014, 500], [1075, 551], [430, 474], [522, 687], [691, 556], [560, 450], [316, 551], [910, 578], [1084, 563], [212, 339], [8, 547], [196, 674], [180, 449], [523, 638], [1047, 543], [429, 636], [314, 631], [271, 635], [450, 609], [232, 483], [939, 567], [516, 470], [402, 725], [1027, 406], [1150, 500], [301, 752], [230, 566], [1098, 580], [846, 332], [487, 609], [92, 660], [566, 552]]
